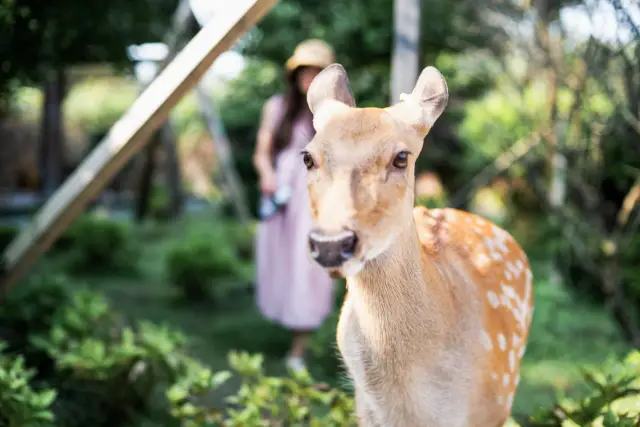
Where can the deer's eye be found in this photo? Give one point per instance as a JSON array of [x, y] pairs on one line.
[[308, 160], [401, 160]]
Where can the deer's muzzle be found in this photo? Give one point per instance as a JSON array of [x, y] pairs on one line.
[[331, 250]]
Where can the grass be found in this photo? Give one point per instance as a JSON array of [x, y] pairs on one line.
[[567, 333]]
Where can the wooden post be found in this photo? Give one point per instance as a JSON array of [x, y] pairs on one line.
[[128, 136], [406, 42]]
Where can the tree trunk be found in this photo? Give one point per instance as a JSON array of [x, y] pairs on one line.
[[52, 133], [174, 178], [146, 177]]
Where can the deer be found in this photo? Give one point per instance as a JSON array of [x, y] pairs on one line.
[[439, 302]]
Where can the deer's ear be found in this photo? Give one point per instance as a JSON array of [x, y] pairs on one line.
[[329, 91], [426, 102]]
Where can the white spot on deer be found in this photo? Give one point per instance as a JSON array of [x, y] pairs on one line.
[[505, 301], [493, 299], [505, 379], [521, 351], [516, 380], [502, 342], [508, 291], [507, 275], [528, 278], [513, 269], [510, 399], [516, 340], [486, 340], [512, 361], [482, 260]]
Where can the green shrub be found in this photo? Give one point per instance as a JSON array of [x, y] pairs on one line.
[[30, 308], [106, 373], [115, 373], [193, 264], [20, 404], [7, 234], [261, 400], [96, 243], [613, 399], [242, 238]]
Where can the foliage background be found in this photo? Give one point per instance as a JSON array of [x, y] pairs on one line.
[[160, 310]]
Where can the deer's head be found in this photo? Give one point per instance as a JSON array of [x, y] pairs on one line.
[[361, 167]]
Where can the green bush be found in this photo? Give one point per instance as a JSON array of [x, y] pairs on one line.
[[30, 308], [261, 400], [193, 264], [106, 373], [20, 404], [96, 243], [7, 234], [613, 399], [242, 238]]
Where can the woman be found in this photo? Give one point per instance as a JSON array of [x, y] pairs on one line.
[[292, 290]]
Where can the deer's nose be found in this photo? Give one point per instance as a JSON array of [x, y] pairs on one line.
[[332, 249]]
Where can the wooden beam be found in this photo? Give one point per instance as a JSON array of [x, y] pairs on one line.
[[405, 62], [128, 135]]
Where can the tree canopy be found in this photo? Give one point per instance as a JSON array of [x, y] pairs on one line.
[[37, 36]]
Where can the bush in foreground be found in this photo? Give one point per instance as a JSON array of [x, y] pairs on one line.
[[261, 400], [613, 400], [20, 404], [93, 369], [105, 372]]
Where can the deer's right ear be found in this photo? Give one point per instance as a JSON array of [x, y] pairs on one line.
[[426, 102], [329, 91]]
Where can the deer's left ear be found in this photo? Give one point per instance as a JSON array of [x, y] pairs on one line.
[[426, 102], [328, 93]]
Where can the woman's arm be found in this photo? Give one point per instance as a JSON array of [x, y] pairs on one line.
[[263, 154]]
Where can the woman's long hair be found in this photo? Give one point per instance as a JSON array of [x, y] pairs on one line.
[[295, 105]]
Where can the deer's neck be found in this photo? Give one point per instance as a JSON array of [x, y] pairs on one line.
[[391, 296]]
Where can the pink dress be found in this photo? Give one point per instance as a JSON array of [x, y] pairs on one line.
[[292, 289]]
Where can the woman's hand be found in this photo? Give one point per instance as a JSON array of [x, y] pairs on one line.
[[268, 183]]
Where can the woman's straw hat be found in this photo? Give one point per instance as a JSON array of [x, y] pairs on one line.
[[311, 53]]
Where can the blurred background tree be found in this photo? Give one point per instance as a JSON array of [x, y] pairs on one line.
[[38, 38]]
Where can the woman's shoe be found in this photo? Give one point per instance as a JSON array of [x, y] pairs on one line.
[[296, 364]]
